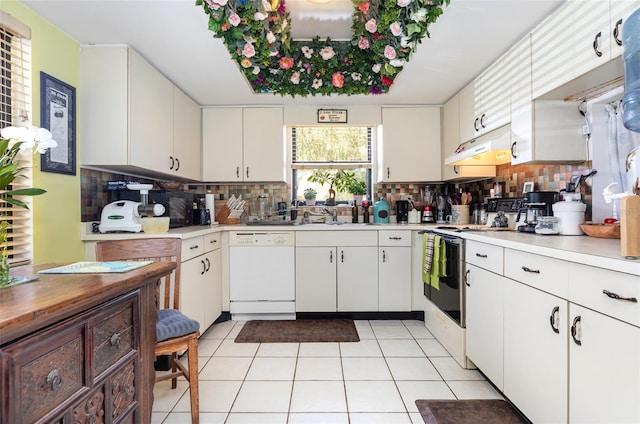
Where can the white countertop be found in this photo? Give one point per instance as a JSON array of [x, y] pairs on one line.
[[599, 252]]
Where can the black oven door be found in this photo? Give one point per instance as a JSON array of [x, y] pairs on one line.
[[450, 296]]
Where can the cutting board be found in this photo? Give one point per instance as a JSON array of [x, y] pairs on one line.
[[630, 226]]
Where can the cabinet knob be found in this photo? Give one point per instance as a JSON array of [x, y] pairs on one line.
[[596, 44], [467, 278], [513, 149], [204, 267], [384, 256], [616, 32], [455, 169], [54, 380], [173, 162], [177, 164], [237, 172], [331, 256], [388, 173], [208, 263], [247, 172], [483, 122], [475, 124]]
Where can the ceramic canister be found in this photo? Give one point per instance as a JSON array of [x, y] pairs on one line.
[[570, 215]]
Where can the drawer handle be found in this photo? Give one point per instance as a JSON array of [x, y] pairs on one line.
[[195, 246], [533, 271], [575, 329], [553, 319], [384, 256], [331, 256], [482, 255], [115, 340], [395, 238], [54, 380], [618, 297], [213, 241], [342, 256]]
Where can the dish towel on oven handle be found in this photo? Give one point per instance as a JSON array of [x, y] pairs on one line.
[[433, 255]]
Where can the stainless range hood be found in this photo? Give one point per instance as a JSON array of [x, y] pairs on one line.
[[493, 148]]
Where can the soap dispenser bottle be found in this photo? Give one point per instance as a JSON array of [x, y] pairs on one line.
[[381, 211]]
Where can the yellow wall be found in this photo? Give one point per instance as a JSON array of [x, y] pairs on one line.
[[56, 213]]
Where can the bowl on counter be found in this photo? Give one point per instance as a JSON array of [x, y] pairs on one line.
[[602, 230], [155, 224], [170, 185]]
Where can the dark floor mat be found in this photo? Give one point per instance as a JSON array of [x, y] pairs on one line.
[[297, 331], [482, 411]]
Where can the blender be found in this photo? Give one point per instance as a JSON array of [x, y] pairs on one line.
[[427, 200], [441, 202]]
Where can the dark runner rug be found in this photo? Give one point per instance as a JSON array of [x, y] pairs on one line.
[[298, 331], [482, 411]]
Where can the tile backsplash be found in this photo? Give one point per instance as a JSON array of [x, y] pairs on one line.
[[552, 177]]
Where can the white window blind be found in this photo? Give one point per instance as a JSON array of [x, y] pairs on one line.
[[15, 105]]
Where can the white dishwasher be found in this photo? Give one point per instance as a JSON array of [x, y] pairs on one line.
[[262, 275]]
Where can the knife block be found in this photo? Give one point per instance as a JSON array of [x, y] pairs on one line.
[[224, 218], [630, 226]]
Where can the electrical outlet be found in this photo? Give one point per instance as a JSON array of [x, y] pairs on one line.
[[586, 129]]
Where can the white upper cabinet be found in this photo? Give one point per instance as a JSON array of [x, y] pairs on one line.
[[128, 116], [580, 36], [484, 103], [243, 144], [410, 147], [187, 137]]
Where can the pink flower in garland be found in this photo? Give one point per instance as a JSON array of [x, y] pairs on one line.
[[295, 78], [234, 19], [248, 50], [286, 63], [327, 52], [363, 43], [386, 80], [364, 6], [404, 3], [371, 25], [396, 28], [389, 52], [337, 79]]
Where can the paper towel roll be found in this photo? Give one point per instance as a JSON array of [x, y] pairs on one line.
[[209, 203]]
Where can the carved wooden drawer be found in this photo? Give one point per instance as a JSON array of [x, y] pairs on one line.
[[48, 370], [113, 334]]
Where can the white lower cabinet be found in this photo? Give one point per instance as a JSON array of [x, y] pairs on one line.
[[604, 373], [394, 271], [535, 352], [316, 279], [357, 279], [485, 298], [200, 282]]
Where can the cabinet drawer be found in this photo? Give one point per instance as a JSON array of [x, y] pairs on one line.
[[394, 238], [211, 242], [48, 370], [336, 238], [485, 256], [113, 334], [192, 247], [542, 272], [586, 285]]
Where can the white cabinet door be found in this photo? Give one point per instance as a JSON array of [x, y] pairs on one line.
[[604, 369], [222, 144], [150, 116], [316, 279], [591, 35], [493, 89], [187, 139], [263, 144], [410, 133], [469, 98], [450, 134], [535, 352], [620, 11], [192, 289], [521, 103], [485, 296], [213, 287], [357, 279], [394, 279]]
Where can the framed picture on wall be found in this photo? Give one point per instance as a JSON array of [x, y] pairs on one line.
[[58, 115], [528, 187]]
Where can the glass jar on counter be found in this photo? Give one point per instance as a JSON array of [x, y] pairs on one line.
[[547, 225]]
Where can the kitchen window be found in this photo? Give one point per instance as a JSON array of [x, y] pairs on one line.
[[331, 148], [15, 106]]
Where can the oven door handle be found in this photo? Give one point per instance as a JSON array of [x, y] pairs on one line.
[[466, 277]]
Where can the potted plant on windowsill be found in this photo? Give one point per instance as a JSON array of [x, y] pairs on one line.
[[338, 182], [310, 196], [358, 188]]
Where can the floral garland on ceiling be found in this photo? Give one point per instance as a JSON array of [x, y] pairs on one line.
[[385, 34]]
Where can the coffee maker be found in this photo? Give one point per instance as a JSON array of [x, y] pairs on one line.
[[534, 205], [402, 211]]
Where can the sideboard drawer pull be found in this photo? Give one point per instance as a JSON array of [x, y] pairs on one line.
[[115, 340], [618, 297], [532, 271], [54, 380]]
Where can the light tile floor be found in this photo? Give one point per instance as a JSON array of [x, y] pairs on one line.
[[376, 380]]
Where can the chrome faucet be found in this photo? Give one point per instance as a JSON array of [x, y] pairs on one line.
[[334, 213]]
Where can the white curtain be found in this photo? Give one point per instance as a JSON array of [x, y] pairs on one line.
[[621, 143]]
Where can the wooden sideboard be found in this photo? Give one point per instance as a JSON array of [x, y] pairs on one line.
[[79, 348]]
